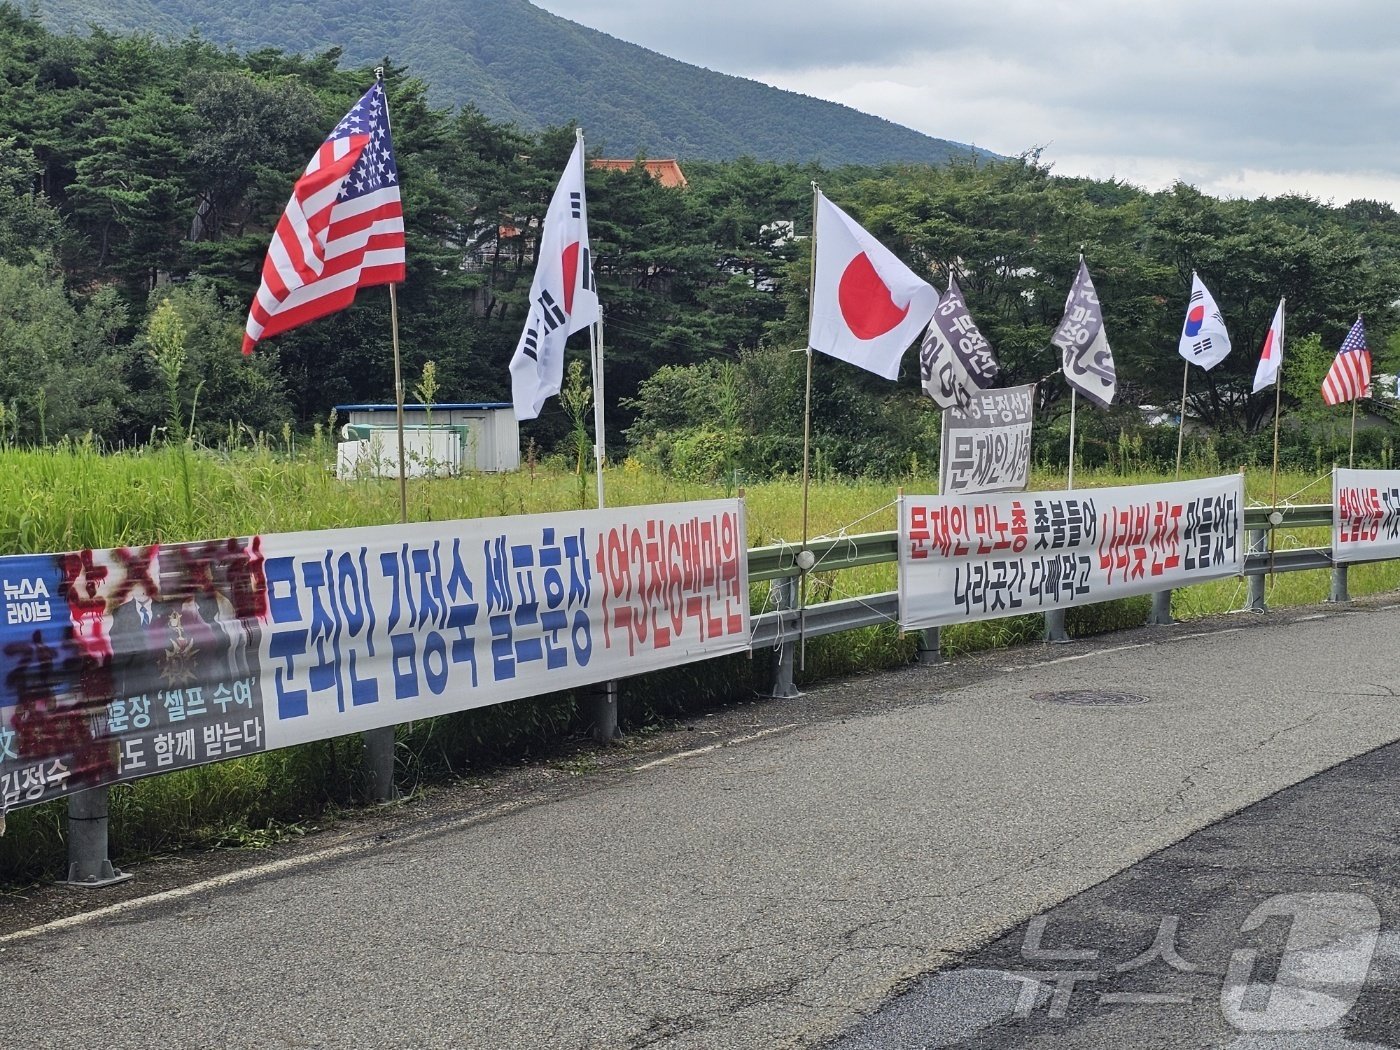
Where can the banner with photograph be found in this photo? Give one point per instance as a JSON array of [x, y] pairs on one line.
[[120, 663], [1365, 514], [967, 558], [986, 447]]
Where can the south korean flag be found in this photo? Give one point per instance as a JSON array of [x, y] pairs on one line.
[[1204, 340]]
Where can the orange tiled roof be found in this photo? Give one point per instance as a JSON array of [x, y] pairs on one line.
[[667, 172]]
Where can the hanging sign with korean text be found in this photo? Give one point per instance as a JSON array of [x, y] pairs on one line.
[[980, 557], [986, 445], [120, 663], [1365, 514]]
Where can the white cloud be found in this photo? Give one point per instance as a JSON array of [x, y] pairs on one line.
[[1242, 96]]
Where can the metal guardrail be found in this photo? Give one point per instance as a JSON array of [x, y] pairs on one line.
[[778, 629]]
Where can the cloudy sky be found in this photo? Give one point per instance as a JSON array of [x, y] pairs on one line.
[[1237, 97]]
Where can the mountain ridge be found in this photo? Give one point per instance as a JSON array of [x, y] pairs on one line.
[[519, 63]]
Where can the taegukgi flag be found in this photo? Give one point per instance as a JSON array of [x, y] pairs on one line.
[[1204, 340], [1271, 357], [563, 295], [1088, 360], [867, 306], [955, 359]]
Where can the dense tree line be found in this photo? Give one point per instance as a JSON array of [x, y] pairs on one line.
[[134, 171]]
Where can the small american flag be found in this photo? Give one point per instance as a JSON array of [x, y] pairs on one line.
[[1350, 374], [341, 231]]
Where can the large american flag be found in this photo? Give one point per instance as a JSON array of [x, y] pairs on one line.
[[1350, 373], [342, 229]]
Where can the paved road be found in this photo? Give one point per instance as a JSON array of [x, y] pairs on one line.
[[1276, 929], [765, 893]]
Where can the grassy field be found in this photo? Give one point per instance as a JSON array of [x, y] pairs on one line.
[[76, 496]]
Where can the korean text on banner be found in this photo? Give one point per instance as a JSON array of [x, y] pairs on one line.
[[981, 557], [1365, 514], [121, 663], [986, 446]]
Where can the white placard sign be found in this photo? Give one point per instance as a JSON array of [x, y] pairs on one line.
[[986, 446], [967, 558]]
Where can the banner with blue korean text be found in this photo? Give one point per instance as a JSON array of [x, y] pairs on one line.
[[122, 663], [981, 557], [1365, 514]]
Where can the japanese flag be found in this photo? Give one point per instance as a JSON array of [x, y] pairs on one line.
[[563, 297], [867, 306], [1271, 357]]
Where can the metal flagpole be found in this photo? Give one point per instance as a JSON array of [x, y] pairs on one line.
[[398, 403], [1351, 456], [803, 554], [380, 743], [1278, 399], [1181, 428], [1073, 405], [595, 348], [595, 356], [398, 365]]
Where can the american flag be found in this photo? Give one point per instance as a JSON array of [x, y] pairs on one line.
[[342, 229], [1350, 373]]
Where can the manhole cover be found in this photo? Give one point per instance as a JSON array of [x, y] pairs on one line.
[[1091, 698]]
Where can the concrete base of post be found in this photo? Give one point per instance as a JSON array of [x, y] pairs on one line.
[[1161, 615], [1055, 626], [1258, 544], [379, 765], [603, 700], [88, 864], [1339, 591], [930, 648]]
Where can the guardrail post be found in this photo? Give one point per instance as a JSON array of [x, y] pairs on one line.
[[1339, 584], [604, 704], [930, 648], [1258, 544], [1055, 626], [1161, 615], [784, 659], [379, 764], [88, 863]]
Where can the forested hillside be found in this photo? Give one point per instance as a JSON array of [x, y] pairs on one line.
[[134, 172], [518, 63]]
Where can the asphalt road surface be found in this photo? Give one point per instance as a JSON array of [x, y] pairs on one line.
[[780, 875]]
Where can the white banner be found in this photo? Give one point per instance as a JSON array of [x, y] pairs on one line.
[[986, 447], [967, 558], [119, 663], [1365, 514]]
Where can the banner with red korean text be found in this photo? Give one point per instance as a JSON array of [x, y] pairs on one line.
[[981, 557], [1365, 514], [121, 663]]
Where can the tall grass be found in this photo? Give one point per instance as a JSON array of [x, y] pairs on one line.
[[77, 495]]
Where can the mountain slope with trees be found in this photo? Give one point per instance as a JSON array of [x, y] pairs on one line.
[[135, 173], [518, 63]]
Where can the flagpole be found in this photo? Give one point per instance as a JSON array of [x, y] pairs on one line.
[[595, 354], [1181, 428], [595, 349], [807, 447], [1073, 405], [1278, 400], [1351, 456], [398, 362], [398, 402]]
